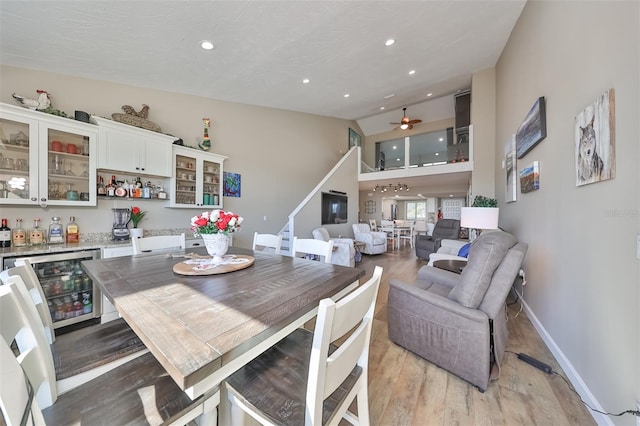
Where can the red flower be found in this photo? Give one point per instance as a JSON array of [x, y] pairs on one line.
[[201, 221], [135, 210]]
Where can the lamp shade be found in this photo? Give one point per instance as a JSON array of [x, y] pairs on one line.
[[479, 217]]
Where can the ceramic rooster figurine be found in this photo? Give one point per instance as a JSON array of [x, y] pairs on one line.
[[43, 101], [143, 113]]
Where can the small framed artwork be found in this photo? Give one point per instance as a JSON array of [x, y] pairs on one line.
[[595, 140], [354, 138], [533, 129], [231, 184], [530, 178]]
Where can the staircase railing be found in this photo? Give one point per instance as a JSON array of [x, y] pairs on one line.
[[288, 230]]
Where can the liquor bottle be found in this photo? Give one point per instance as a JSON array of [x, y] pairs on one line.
[[138, 188], [72, 234], [162, 195], [111, 187], [5, 234], [56, 234], [102, 190], [19, 235], [36, 234]]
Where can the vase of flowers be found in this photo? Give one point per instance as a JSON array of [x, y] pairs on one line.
[[215, 228], [136, 216]]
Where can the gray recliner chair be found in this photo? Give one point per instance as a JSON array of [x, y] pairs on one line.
[[458, 322], [445, 229]]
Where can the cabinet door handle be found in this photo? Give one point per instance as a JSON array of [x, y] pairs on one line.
[[34, 199]]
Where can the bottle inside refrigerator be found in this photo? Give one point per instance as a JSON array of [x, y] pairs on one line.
[[71, 295]]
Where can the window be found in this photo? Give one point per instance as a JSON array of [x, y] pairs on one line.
[[416, 210]]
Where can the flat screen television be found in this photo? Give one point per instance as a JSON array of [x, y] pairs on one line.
[[334, 208]]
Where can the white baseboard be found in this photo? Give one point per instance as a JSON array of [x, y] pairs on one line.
[[567, 367]]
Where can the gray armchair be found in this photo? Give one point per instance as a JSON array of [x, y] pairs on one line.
[[445, 229], [458, 322]]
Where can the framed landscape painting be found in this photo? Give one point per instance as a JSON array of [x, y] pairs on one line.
[[533, 129]]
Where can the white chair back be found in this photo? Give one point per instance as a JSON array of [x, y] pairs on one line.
[[372, 225], [267, 241], [32, 283], [16, 397], [161, 242], [19, 321], [313, 247], [328, 371], [420, 227]]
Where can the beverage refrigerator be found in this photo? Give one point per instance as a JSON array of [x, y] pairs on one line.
[[71, 295]]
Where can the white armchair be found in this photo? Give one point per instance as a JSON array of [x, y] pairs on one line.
[[449, 249], [374, 242], [344, 252]]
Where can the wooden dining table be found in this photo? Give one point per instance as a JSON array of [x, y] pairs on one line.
[[203, 328]]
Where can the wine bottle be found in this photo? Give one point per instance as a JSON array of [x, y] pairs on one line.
[[5, 234]]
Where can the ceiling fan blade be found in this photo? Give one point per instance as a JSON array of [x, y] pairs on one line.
[[395, 123], [414, 121]]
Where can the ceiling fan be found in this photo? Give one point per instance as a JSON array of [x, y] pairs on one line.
[[406, 122]]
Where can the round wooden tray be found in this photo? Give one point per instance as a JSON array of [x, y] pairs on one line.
[[199, 266]]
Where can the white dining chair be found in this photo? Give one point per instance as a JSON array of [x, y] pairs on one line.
[[267, 242], [83, 354], [156, 243], [138, 392], [311, 246], [408, 236], [312, 368]]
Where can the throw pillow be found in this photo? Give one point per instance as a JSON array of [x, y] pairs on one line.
[[464, 250]]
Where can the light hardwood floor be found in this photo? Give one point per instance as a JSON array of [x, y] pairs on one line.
[[405, 389]]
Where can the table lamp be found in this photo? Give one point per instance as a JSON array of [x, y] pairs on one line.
[[479, 218]]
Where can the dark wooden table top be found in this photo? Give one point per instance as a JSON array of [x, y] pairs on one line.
[[195, 325], [451, 265]]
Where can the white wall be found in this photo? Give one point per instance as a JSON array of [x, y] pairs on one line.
[[281, 155], [583, 275]]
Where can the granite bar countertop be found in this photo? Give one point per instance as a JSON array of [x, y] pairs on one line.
[[88, 241]]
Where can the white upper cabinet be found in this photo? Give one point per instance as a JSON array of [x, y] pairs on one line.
[[197, 178], [133, 150], [46, 159]]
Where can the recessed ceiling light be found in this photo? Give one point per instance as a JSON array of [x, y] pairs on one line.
[[381, 108], [397, 159], [429, 94], [389, 42], [395, 147], [437, 153], [306, 81], [346, 95], [441, 139], [207, 45], [412, 72]]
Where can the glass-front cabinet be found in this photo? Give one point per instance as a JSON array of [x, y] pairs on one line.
[[197, 178], [45, 159]]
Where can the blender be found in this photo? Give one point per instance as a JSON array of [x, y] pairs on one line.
[[121, 218]]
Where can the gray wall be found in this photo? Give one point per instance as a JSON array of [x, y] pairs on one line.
[[281, 155], [583, 275]]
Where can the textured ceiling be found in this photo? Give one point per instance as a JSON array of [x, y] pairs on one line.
[[265, 48]]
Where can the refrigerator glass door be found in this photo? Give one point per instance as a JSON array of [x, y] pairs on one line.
[[70, 294]]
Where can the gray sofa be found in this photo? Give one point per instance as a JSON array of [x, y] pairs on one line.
[[445, 229], [458, 322]]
